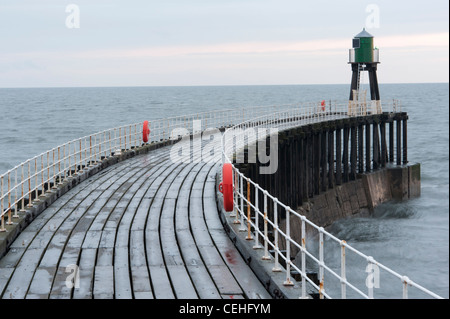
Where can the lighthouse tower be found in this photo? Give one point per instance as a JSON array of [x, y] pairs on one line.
[[364, 57]]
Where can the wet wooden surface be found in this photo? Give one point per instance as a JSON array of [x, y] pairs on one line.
[[146, 227]]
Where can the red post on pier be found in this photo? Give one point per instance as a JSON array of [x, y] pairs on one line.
[[226, 187], [145, 132]]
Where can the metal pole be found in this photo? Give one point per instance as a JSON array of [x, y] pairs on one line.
[[303, 257], [343, 275], [405, 281], [242, 227], [2, 228], [9, 200], [266, 238], [288, 281], [276, 268], [249, 234], [22, 209], [321, 262], [257, 245]]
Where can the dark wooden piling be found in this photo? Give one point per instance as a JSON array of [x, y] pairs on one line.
[[345, 154], [353, 153], [405, 142], [391, 141], [316, 177], [323, 160], [375, 145], [316, 157], [399, 142], [360, 148], [331, 158], [338, 157], [383, 143], [368, 158]]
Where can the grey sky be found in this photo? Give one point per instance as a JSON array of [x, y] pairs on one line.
[[215, 42]]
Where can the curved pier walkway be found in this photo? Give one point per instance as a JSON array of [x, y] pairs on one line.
[[143, 228]]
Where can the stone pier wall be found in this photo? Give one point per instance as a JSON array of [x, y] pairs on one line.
[[358, 197]]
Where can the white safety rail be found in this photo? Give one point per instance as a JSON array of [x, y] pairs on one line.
[[311, 248], [22, 185]]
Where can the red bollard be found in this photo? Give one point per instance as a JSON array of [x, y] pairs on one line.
[[226, 187], [145, 132]]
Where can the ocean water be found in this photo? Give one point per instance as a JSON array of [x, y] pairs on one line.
[[410, 237]]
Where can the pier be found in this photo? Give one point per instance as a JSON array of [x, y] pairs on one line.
[[111, 216]]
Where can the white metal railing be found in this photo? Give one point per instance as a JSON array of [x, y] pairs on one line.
[[375, 57], [250, 215], [351, 55]]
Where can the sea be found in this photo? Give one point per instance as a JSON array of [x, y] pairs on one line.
[[410, 237]]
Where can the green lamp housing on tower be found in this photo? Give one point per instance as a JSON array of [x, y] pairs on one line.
[[363, 49]]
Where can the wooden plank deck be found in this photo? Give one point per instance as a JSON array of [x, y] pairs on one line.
[[143, 228]]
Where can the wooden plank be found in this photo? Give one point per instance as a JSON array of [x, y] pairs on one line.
[[141, 282], [60, 290], [86, 272], [103, 282], [23, 274], [42, 282], [198, 273]]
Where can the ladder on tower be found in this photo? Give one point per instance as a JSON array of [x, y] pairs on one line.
[[360, 68]]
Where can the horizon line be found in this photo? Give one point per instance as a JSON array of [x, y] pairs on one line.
[[199, 85]]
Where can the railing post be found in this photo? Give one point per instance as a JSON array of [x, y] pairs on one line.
[[257, 245], [42, 174], [303, 257], [266, 238], [64, 161], [90, 151], [81, 158], [405, 281], [249, 234], [9, 200], [369, 284], [95, 150], [120, 139], [75, 159], [36, 180], [48, 172], [321, 263], [276, 268], [16, 204], [235, 189], [125, 137], [110, 142], [2, 228], [70, 167], [288, 281], [130, 139], [238, 189], [22, 209], [30, 204], [343, 275], [242, 227]]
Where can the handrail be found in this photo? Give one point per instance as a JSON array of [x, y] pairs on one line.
[[243, 184]]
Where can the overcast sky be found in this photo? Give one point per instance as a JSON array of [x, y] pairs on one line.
[[216, 42]]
